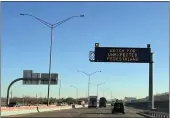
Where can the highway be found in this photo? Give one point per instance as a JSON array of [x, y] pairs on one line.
[[84, 112]]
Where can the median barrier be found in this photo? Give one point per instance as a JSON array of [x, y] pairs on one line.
[[78, 106], [47, 108], [15, 108], [16, 111], [52, 108], [73, 106], [33, 109]]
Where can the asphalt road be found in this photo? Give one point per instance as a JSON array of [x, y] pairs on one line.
[[84, 112]]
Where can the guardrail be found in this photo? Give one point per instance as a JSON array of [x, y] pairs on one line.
[[154, 114]]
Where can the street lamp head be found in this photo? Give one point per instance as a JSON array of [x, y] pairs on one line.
[[81, 15], [22, 14], [101, 83]]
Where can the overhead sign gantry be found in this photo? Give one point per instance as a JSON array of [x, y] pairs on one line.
[[126, 55]]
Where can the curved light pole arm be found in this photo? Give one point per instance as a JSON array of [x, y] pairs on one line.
[[73, 87], [61, 22], [93, 84], [7, 102], [42, 21], [83, 72], [101, 84], [94, 72]]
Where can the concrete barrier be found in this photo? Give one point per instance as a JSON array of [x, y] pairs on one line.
[[17, 108], [33, 109], [18, 111], [78, 106], [51, 108]]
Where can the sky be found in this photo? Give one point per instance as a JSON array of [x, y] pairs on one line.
[[26, 41]]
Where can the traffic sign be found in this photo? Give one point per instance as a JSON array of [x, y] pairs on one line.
[[27, 73], [46, 75], [45, 78], [122, 54], [45, 81], [35, 78], [35, 75], [31, 82]]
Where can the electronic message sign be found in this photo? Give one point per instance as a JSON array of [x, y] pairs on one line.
[[122, 54]]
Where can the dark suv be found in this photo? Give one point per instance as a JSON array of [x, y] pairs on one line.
[[14, 104], [118, 107], [112, 103], [102, 102]]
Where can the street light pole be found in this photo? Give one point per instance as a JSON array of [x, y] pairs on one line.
[[104, 91], [50, 65], [89, 86], [97, 91], [76, 91], [89, 75], [52, 26], [23, 101], [98, 86], [59, 88]]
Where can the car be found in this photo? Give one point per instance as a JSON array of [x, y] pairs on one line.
[[11, 105], [118, 108], [59, 103], [79, 102], [17, 105], [14, 104], [102, 102], [112, 103]]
